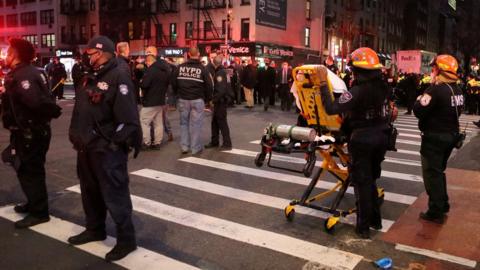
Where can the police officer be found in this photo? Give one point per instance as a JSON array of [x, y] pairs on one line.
[[472, 92], [28, 108], [104, 124], [193, 85], [222, 95], [57, 75], [437, 111], [366, 121]]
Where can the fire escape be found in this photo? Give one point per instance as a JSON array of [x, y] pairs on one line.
[[208, 32], [75, 11], [123, 17]]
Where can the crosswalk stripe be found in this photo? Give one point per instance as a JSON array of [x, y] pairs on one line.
[[407, 124], [408, 142], [402, 151], [139, 259], [393, 197], [389, 174], [437, 255], [401, 134], [325, 256], [462, 117], [415, 120], [243, 195]]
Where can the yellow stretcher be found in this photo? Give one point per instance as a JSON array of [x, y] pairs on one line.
[[332, 149]]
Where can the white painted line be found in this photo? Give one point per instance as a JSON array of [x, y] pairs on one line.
[[463, 117], [408, 130], [393, 197], [437, 255], [408, 152], [408, 142], [402, 151], [406, 124], [325, 256], [61, 230], [242, 195], [394, 175], [415, 121], [401, 134]]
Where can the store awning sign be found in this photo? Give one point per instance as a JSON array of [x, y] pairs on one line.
[[272, 13], [64, 53]]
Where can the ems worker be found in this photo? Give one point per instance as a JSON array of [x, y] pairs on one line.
[[363, 108], [193, 85], [27, 108], [104, 125], [472, 94], [221, 98], [438, 110]]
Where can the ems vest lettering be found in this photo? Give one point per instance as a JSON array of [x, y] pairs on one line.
[[190, 72], [457, 100]]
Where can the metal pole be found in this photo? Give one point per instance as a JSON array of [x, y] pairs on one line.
[[227, 27]]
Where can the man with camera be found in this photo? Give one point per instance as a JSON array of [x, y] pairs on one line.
[[438, 110]]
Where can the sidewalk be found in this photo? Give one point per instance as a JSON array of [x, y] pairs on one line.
[[458, 240]]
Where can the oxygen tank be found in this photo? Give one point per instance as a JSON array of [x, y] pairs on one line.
[[296, 133]]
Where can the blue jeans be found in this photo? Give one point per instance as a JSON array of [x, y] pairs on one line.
[[191, 122]]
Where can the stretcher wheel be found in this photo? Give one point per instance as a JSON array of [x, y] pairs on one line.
[[308, 169], [289, 213], [330, 224], [259, 159]]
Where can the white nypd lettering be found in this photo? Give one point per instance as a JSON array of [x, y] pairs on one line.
[[457, 100], [190, 72]]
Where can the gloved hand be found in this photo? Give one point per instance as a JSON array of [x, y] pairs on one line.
[[322, 74]]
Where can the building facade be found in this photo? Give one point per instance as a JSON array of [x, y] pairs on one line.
[[287, 30], [33, 20]]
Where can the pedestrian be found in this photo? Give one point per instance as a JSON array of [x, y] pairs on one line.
[[193, 85], [154, 85], [285, 81], [268, 85], [104, 126], [57, 76], [438, 110], [222, 95], [364, 109], [78, 71], [27, 109], [330, 64], [123, 57], [249, 81], [410, 88]]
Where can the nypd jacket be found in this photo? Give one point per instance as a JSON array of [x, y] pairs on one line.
[[191, 81], [154, 84], [27, 102], [435, 109], [105, 110]]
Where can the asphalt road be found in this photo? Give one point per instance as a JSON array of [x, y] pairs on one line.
[[213, 211]]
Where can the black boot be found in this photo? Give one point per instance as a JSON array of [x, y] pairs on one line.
[[30, 221], [439, 219], [86, 237], [21, 208], [211, 145], [120, 251]]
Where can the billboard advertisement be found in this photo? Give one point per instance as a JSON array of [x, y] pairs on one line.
[[271, 13]]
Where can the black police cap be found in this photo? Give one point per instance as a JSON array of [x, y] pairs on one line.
[[102, 43], [25, 49]]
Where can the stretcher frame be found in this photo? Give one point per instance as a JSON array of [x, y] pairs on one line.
[[330, 150]]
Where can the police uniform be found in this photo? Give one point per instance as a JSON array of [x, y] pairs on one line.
[[26, 105], [439, 125], [365, 122], [221, 98], [104, 124]]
